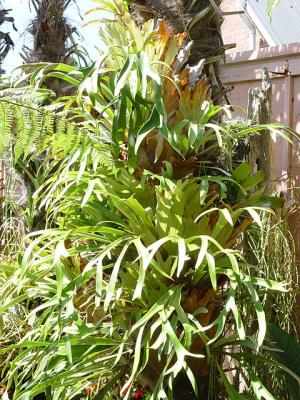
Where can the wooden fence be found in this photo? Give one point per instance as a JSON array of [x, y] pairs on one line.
[[243, 71]]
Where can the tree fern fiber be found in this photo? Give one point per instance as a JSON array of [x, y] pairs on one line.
[[201, 20]]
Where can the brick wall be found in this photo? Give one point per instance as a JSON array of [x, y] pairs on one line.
[[235, 30]]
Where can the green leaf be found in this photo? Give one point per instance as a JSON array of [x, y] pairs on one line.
[[202, 252], [254, 214], [181, 256], [159, 305], [203, 190], [253, 180], [217, 129], [153, 122], [227, 215], [212, 270], [68, 348], [258, 388], [288, 355], [192, 134], [136, 362], [146, 255], [114, 277], [99, 282], [271, 5], [270, 284], [233, 394], [13, 302], [119, 122], [64, 77], [242, 172], [261, 318], [89, 191], [124, 73]]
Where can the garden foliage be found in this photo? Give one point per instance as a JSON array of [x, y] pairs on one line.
[[134, 278]]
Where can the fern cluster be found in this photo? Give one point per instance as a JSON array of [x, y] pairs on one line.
[[30, 129], [33, 131], [26, 95]]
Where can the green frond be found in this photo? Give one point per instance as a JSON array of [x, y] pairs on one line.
[[271, 5], [26, 95], [35, 131], [6, 125]]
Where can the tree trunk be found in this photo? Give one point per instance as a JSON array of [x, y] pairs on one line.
[[262, 146], [201, 20], [50, 30]]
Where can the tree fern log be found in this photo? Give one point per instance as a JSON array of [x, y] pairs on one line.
[[201, 20]]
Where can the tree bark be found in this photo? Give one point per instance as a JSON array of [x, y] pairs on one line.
[[50, 30], [262, 146], [201, 21]]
